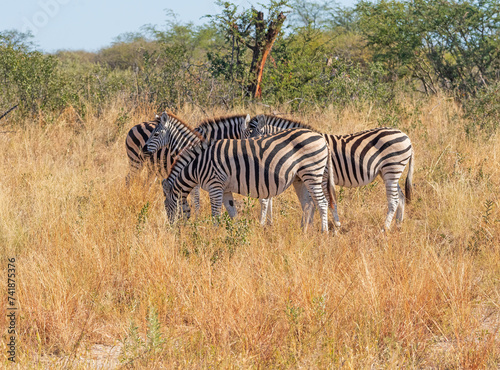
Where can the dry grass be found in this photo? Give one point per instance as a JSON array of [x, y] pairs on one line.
[[95, 259]]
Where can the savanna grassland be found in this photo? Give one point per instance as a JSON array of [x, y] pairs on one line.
[[104, 280]]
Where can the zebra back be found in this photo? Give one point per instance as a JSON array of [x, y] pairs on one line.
[[265, 124], [358, 158], [230, 127]]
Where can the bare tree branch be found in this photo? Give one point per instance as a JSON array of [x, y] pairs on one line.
[[10, 110]]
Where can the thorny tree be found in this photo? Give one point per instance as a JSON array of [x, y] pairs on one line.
[[247, 30]]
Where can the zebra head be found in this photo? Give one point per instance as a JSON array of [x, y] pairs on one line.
[[159, 136], [257, 126], [172, 203]]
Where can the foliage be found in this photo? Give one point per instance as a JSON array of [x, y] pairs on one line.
[[27, 76], [451, 45], [135, 349], [325, 55], [483, 110], [242, 31]]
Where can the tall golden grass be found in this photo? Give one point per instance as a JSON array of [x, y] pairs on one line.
[[96, 259]]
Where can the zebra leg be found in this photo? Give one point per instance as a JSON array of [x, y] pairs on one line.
[[270, 212], [391, 190], [401, 206], [335, 215], [196, 198], [336, 220], [264, 206], [306, 203], [266, 211], [228, 201], [216, 195], [316, 192]]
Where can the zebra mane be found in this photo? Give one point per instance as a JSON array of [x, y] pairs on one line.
[[211, 122], [284, 123], [177, 123]]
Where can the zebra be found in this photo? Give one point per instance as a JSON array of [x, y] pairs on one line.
[[357, 160], [135, 140], [231, 127], [261, 167], [170, 135]]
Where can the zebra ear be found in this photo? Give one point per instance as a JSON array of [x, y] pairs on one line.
[[245, 123], [164, 118], [261, 121]]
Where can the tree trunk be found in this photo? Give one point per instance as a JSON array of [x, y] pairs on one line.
[[263, 43]]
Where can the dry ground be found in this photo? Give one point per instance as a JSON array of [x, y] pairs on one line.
[[104, 281]]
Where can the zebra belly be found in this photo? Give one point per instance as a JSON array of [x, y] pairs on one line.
[[353, 184], [257, 186]]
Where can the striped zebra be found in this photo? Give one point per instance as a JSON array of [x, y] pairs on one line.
[[232, 127], [135, 140], [358, 158], [262, 168], [171, 135]]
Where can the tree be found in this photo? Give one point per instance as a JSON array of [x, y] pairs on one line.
[[452, 44], [251, 30]]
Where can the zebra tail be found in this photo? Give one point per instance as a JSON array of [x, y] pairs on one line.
[[408, 185], [331, 182]]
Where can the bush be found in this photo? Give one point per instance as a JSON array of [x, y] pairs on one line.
[[483, 110], [28, 77]]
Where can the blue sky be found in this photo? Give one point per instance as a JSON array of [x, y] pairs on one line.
[[93, 24]]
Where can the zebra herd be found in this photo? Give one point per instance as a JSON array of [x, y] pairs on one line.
[[261, 157]]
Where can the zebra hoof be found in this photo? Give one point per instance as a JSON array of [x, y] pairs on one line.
[[385, 230]]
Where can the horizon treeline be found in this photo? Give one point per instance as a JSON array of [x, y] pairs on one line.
[[295, 52]]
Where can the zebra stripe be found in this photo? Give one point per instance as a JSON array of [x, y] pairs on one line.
[[171, 135], [358, 158], [227, 127], [135, 140], [160, 158], [262, 168]]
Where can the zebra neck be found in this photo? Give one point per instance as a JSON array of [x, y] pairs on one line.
[[187, 179], [184, 161]]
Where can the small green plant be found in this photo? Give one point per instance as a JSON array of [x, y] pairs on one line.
[[248, 207], [153, 335], [134, 348], [482, 234], [293, 313], [132, 345], [319, 305], [142, 218], [237, 231], [340, 195]]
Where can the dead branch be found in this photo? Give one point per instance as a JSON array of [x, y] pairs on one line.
[[10, 110]]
